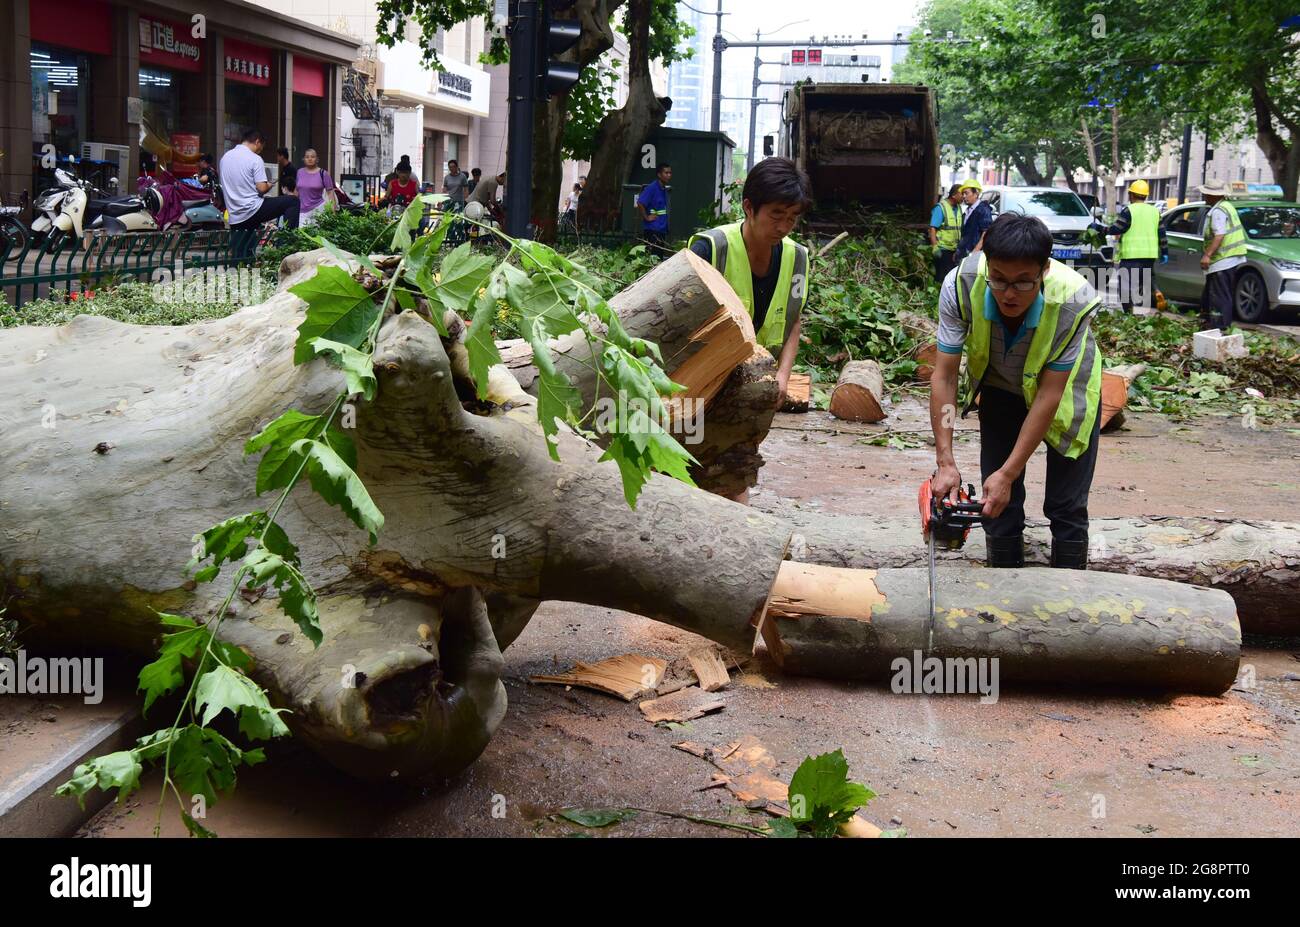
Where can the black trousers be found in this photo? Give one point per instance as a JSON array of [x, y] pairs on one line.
[[243, 235], [1218, 295], [1065, 501], [943, 262], [1132, 269]]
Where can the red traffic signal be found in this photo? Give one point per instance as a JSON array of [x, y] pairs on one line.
[[798, 56], [814, 56]]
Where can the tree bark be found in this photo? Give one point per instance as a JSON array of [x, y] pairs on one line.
[[1283, 155], [1256, 562], [131, 441], [1040, 625], [623, 131]]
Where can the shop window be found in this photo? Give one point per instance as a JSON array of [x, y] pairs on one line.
[[60, 85], [242, 112]]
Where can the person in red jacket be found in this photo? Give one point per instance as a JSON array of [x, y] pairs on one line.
[[402, 188]]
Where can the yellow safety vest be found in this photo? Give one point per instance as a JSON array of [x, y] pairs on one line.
[[731, 259], [1234, 240], [1068, 299], [1142, 240], [949, 234]]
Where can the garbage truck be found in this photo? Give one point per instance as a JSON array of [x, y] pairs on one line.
[[867, 147]]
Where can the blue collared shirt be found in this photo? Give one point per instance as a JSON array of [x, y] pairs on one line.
[[977, 222]]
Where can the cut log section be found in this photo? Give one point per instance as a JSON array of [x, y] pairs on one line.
[[709, 668], [1114, 393], [1042, 625], [798, 393], [1256, 562], [859, 393]]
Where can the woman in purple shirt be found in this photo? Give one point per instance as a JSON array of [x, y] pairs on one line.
[[315, 187]]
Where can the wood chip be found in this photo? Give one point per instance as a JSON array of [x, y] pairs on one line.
[[685, 705], [709, 668], [628, 676]]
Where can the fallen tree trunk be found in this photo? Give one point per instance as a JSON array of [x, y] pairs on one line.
[[129, 440], [1256, 562], [1040, 625], [859, 393]]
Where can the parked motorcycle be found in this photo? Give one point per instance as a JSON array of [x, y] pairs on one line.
[[14, 233], [75, 204], [163, 202]]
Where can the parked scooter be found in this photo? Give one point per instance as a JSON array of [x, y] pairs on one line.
[[163, 202], [77, 204]]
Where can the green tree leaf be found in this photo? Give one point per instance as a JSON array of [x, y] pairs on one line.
[[557, 398], [222, 688], [120, 770], [462, 275], [338, 484], [345, 256], [338, 308], [356, 366], [297, 599], [480, 345], [597, 817], [821, 795]]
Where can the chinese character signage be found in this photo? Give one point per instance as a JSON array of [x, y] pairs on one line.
[[247, 63], [169, 44]]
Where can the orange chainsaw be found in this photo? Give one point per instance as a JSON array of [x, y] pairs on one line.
[[946, 523]]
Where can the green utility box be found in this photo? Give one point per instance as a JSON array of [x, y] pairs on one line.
[[701, 163]]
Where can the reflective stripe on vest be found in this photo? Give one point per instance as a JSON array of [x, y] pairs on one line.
[[1234, 239], [1142, 240], [1068, 302], [949, 234], [731, 259]]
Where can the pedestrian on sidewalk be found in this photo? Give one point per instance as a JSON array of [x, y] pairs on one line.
[[287, 180], [455, 184], [1024, 322], [652, 204], [1223, 256], [244, 187], [315, 188]]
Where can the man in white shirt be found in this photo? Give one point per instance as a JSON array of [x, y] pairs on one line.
[[244, 185], [1224, 254]]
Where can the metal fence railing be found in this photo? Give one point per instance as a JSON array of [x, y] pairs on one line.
[[69, 264]]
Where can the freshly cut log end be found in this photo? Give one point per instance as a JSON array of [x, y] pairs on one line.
[[859, 393], [1042, 625], [798, 393]]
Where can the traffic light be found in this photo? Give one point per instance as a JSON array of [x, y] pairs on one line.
[[798, 56], [556, 36], [814, 56]]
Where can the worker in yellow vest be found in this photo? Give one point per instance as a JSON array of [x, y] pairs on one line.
[[1223, 256], [945, 231], [1142, 242], [1023, 320], [768, 270]]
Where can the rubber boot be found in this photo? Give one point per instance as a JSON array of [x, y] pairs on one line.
[[1070, 555], [1005, 552]]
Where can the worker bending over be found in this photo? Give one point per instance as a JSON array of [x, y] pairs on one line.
[[1023, 321]]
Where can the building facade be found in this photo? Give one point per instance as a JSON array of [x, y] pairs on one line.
[[690, 81], [428, 116], [89, 85]]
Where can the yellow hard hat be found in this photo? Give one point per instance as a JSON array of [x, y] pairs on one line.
[[972, 184], [1140, 188]]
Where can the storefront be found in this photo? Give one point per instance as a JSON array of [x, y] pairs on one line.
[[171, 93], [108, 81], [70, 45]]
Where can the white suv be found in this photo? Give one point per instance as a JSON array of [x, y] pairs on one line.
[[1064, 214]]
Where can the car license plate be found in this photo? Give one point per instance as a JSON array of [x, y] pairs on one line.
[[1067, 254]]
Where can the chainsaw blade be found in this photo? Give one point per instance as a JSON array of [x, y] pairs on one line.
[[929, 645]]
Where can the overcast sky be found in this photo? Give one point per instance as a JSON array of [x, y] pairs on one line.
[[879, 20]]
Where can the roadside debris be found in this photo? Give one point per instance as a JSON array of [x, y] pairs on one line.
[[683, 705], [628, 676]]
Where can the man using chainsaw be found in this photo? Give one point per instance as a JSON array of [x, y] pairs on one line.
[[1023, 321]]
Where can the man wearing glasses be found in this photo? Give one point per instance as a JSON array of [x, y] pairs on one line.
[[1023, 321]]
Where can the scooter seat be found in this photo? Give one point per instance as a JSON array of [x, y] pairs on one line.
[[122, 207]]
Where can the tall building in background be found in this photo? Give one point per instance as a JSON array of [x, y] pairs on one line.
[[689, 81], [899, 52]]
